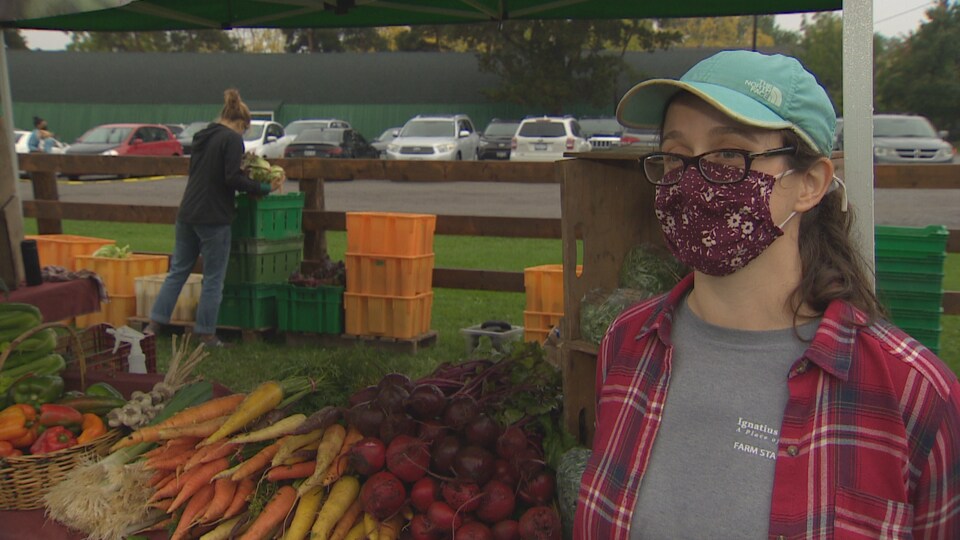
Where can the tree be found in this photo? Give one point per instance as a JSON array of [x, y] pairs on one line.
[[923, 74], [724, 31], [550, 64], [821, 51], [163, 41], [13, 39], [320, 40]]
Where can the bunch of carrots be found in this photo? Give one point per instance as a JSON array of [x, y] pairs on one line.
[[213, 460]]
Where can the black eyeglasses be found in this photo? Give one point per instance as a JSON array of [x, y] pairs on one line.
[[725, 166]]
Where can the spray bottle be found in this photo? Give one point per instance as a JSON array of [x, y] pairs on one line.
[[137, 361]]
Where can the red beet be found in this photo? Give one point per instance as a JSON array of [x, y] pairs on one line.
[[511, 442], [368, 456], [474, 464], [395, 379], [408, 458], [538, 490], [392, 397], [397, 423], [540, 523], [364, 395], [460, 411], [431, 430], [424, 491], [425, 401], [421, 529], [528, 462], [474, 531], [366, 417], [382, 495], [497, 502], [482, 431], [442, 454], [464, 497], [506, 530], [443, 517], [506, 473]]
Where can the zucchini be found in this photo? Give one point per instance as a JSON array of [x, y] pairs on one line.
[[99, 405]]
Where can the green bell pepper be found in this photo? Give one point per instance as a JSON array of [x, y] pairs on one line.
[[37, 389], [102, 389]]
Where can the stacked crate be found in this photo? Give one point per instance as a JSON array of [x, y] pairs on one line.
[[266, 247], [544, 289], [62, 249], [147, 289], [119, 276], [909, 262], [389, 263]]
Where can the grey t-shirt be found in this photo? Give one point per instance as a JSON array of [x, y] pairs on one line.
[[711, 469]]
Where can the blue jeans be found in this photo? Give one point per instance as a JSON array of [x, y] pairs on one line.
[[192, 241]]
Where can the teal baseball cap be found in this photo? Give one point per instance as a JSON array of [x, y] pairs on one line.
[[766, 91]]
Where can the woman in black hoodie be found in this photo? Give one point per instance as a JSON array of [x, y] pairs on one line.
[[206, 211]]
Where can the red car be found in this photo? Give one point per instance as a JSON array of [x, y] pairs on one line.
[[128, 140]]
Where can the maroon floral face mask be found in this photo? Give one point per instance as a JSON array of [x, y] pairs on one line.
[[717, 228]]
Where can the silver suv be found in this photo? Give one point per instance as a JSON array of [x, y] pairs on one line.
[[449, 137], [546, 138], [904, 138]]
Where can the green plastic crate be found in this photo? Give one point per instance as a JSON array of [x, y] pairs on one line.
[[316, 310], [911, 240], [903, 282], [917, 319], [929, 338], [257, 260], [924, 264], [249, 306], [272, 217], [915, 301]]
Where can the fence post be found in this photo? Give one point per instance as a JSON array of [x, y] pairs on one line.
[[314, 242], [45, 189]]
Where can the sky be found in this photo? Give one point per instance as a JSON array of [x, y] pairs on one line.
[[892, 18]]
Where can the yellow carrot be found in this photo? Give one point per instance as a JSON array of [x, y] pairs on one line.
[[342, 495], [223, 531], [390, 528], [292, 443], [357, 532], [370, 526], [305, 515], [347, 521], [278, 429], [329, 447], [257, 403], [342, 461]]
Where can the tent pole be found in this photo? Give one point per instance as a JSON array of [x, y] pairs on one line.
[[858, 119], [11, 211]]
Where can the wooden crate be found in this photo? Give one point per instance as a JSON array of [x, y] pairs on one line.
[[608, 205]]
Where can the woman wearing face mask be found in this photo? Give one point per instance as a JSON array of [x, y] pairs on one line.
[[765, 396]]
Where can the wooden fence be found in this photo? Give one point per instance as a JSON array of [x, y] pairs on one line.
[[49, 210]]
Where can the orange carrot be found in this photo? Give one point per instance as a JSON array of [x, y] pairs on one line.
[[169, 461], [162, 504], [159, 478], [168, 490], [347, 521], [198, 503], [194, 480], [223, 490], [194, 415], [210, 453], [272, 515], [194, 458], [240, 497], [289, 472], [341, 462], [258, 462]]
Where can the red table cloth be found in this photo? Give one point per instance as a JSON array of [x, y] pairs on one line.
[[59, 300]]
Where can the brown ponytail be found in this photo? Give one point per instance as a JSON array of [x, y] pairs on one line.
[[234, 109]]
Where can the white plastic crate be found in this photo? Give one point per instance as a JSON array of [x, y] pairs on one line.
[[148, 288]]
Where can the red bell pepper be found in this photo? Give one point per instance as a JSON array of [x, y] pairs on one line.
[[53, 439], [59, 415], [6, 449]]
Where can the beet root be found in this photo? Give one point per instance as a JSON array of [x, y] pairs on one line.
[[540, 523], [383, 494]]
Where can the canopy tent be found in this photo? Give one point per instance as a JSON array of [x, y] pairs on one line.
[[144, 15]]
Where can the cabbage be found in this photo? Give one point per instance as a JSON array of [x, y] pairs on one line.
[[113, 252], [260, 169]]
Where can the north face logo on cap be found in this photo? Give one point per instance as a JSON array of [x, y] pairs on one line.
[[766, 91]]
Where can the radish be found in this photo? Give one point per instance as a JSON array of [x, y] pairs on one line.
[[538, 490], [368, 456], [474, 464], [408, 458], [474, 531], [382, 495], [506, 530], [540, 523], [443, 517], [465, 497], [424, 491], [496, 503]]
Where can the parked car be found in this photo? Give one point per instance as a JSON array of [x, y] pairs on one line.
[[546, 138], [186, 136], [381, 142], [176, 128], [601, 131], [263, 138], [128, 140], [495, 139], [436, 137], [295, 128], [904, 138], [330, 143], [644, 140]]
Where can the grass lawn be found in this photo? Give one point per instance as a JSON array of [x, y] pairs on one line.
[[453, 309]]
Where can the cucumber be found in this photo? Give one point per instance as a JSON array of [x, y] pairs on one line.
[[50, 364], [99, 405], [19, 307]]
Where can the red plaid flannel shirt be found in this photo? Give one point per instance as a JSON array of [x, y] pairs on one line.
[[870, 440]]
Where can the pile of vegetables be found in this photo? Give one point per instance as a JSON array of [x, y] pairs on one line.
[[464, 452], [112, 251], [259, 169]]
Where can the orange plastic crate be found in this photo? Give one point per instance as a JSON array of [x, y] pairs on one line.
[[536, 325], [119, 274], [544, 286], [62, 249], [114, 312], [389, 275], [387, 316], [388, 233]]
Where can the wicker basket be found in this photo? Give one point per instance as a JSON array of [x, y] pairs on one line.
[[25, 480]]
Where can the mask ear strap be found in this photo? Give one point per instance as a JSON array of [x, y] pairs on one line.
[[836, 184]]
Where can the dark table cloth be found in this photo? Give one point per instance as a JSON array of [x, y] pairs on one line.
[[59, 300]]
